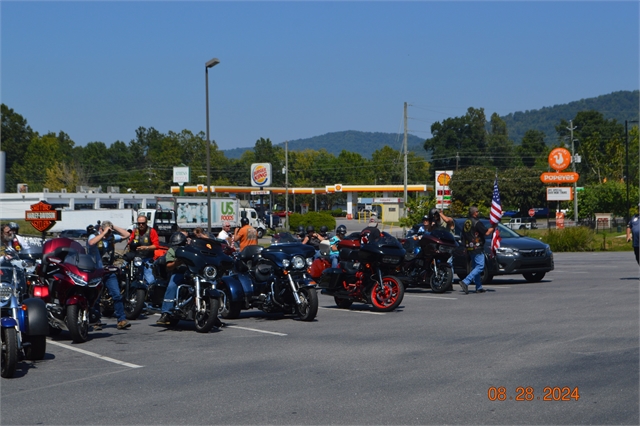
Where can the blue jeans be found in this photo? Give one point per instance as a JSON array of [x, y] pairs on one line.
[[335, 260], [475, 276], [148, 271], [111, 282], [171, 293]]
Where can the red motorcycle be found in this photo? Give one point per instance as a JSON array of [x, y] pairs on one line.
[[70, 284], [367, 262]]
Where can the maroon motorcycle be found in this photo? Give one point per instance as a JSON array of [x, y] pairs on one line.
[[70, 284]]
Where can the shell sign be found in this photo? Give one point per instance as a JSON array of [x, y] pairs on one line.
[[261, 174]]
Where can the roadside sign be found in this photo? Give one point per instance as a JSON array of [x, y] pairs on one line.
[[568, 177], [532, 212], [559, 159], [559, 193], [42, 216]]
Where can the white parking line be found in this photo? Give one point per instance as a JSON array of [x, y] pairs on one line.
[[93, 354], [430, 297], [256, 330], [351, 310]]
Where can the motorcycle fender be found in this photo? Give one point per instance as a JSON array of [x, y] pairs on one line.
[[138, 284], [8, 322], [239, 285], [212, 292], [77, 300], [37, 323]]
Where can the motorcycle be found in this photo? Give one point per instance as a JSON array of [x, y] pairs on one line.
[[364, 272], [429, 261], [24, 325], [70, 284], [272, 279], [129, 272], [197, 298]]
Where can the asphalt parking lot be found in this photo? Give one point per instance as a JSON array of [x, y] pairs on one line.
[[439, 359]]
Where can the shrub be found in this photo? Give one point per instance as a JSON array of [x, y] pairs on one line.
[[317, 219], [578, 238]]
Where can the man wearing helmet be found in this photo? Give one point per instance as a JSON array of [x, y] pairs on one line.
[[300, 234], [100, 243], [439, 220], [426, 224], [334, 254], [313, 238], [246, 235]]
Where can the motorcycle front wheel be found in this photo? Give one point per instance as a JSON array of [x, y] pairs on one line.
[[134, 303], [208, 316], [77, 325], [441, 280], [9, 352], [388, 297], [342, 303], [308, 307]]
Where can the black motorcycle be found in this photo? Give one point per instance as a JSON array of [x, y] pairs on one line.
[[203, 263], [428, 261], [129, 272], [365, 272], [273, 279]]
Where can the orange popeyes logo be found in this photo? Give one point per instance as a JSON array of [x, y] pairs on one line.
[[559, 159], [444, 179]]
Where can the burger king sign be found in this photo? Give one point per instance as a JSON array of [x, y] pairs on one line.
[[261, 174]]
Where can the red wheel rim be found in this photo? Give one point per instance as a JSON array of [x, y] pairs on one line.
[[387, 296]]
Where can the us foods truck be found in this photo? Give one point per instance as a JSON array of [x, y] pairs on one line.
[[191, 212], [163, 221]]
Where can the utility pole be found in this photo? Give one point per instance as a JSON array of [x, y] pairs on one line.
[[575, 184], [457, 159], [405, 159], [286, 185]]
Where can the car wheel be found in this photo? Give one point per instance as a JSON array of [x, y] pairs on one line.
[[534, 277]]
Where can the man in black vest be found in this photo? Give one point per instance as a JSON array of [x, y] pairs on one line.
[[473, 239]]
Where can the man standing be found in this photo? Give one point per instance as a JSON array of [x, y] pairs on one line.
[[473, 239], [103, 242], [633, 230], [224, 234], [439, 220]]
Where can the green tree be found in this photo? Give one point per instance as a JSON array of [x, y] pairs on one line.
[[533, 151], [15, 136], [458, 141], [500, 148], [43, 152]]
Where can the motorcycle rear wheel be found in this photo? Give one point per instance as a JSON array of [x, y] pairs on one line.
[[308, 308], [441, 281], [389, 297], [78, 328], [206, 319], [133, 305], [37, 348], [9, 352], [343, 303]]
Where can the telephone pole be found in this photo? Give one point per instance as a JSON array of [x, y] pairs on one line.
[[405, 159], [575, 184]]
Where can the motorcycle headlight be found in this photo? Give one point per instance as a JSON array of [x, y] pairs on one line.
[[507, 251], [6, 290], [309, 261], [285, 263], [298, 262], [137, 262], [210, 272], [445, 249], [77, 279]]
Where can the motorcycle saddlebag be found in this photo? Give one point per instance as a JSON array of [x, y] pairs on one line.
[[331, 279]]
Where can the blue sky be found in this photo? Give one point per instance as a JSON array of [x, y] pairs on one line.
[[291, 70]]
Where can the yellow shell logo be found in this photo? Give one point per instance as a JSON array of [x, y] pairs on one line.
[[444, 179]]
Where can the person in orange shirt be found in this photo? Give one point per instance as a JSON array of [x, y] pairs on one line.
[[246, 235]]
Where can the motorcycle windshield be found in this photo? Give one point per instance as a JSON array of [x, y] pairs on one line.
[[444, 236], [283, 238], [199, 256]]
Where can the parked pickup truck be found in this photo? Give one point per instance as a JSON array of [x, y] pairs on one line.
[[521, 223]]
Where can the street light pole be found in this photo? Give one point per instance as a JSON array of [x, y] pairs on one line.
[[575, 184], [212, 63]]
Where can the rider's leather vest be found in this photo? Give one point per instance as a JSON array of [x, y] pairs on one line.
[[471, 238], [143, 240]]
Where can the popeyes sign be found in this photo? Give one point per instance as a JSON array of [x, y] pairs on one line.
[[261, 174], [42, 216]]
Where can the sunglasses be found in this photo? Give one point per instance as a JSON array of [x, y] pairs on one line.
[[142, 223]]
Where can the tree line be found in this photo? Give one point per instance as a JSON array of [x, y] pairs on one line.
[[476, 148]]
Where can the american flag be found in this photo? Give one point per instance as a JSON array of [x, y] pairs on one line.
[[495, 216], [496, 207]]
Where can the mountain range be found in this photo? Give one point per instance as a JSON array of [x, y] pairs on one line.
[[621, 106]]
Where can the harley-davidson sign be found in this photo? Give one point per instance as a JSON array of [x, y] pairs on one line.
[[42, 216]]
